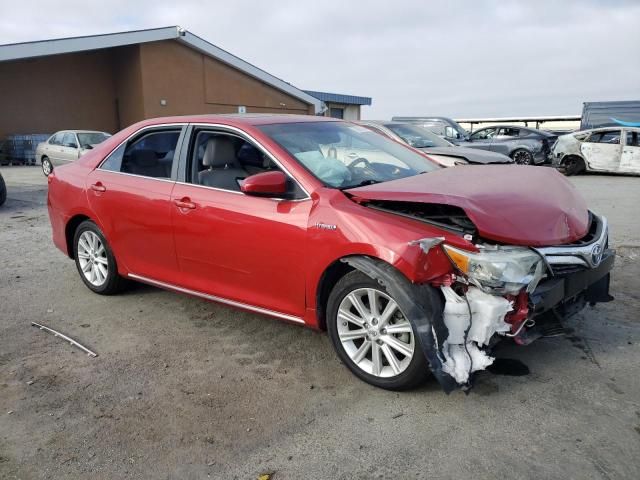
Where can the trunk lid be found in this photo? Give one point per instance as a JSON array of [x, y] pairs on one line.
[[518, 205]]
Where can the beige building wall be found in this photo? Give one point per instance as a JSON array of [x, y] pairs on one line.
[[110, 89], [178, 80], [71, 91]]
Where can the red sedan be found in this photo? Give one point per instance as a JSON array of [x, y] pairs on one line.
[[411, 268]]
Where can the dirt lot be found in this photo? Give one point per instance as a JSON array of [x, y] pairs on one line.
[[187, 389]]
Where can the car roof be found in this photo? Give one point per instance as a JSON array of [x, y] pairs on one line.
[[239, 119], [612, 127], [80, 131], [519, 127]]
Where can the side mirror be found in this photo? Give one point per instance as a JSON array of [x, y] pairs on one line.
[[265, 184], [86, 146]]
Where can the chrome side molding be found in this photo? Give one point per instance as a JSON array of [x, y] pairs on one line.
[[213, 298]]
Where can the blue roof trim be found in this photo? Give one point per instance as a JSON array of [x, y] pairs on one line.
[[339, 98]]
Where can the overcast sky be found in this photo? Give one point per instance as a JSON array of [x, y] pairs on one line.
[[459, 59]]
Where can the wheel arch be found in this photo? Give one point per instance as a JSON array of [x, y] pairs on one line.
[[526, 148], [579, 158], [334, 272], [424, 309], [573, 155], [70, 230]]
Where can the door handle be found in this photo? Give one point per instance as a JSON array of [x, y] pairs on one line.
[[352, 155], [185, 203], [98, 187]]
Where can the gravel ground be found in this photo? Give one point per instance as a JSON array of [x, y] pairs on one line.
[[183, 388]]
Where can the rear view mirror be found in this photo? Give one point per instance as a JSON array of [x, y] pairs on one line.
[[265, 184]]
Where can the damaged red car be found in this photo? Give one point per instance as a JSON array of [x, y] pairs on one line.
[[411, 268]]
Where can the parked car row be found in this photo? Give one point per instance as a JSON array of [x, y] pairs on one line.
[[442, 151]]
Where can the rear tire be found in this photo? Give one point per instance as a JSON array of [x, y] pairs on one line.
[[401, 363], [95, 261], [573, 166], [522, 157], [47, 166]]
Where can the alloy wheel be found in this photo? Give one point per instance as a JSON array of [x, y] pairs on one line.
[[374, 333], [522, 157], [47, 167], [92, 257]]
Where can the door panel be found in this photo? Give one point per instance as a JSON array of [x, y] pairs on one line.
[[481, 139], [131, 195], [54, 147], [67, 153], [630, 159], [135, 213], [242, 248], [600, 153]]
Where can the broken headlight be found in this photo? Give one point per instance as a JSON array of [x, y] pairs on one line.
[[499, 269]]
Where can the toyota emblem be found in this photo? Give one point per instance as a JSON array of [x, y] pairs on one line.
[[596, 255]]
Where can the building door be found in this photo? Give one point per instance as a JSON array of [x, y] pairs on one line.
[[336, 112]]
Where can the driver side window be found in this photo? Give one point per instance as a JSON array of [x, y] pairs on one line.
[[223, 160], [485, 134]]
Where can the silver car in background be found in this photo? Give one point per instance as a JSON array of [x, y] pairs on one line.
[[66, 146], [440, 150]]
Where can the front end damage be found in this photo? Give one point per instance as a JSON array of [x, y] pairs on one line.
[[494, 293], [515, 292]]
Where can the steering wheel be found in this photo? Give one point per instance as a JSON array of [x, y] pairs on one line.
[[360, 160]]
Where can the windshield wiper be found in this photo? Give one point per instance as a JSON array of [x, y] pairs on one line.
[[362, 184]]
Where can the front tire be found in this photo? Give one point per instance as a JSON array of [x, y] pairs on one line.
[[372, 336], [522, 157], [95, 260], [47, 166], [573, 166]]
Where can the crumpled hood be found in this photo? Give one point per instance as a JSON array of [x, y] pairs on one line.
[[472, 155], [518, 205]]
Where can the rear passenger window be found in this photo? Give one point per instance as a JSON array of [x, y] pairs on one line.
[[149, 155], [610, 137], [509, 132], [56, 139]]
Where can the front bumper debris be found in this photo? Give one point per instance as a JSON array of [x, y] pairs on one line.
[[592, 284]]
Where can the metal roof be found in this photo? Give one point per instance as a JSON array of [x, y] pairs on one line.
[[541, 118], [18, 51], [339, 98]]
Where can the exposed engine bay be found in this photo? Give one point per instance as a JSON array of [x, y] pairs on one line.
[[494, 293]]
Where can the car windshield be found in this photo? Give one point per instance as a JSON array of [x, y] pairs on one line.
[[417, 137], [343, 155], [92, 138]]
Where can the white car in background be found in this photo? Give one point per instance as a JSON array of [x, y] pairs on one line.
[[609, 149], [66, 146]]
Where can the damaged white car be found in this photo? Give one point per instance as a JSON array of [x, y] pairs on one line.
[[610, 150]]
